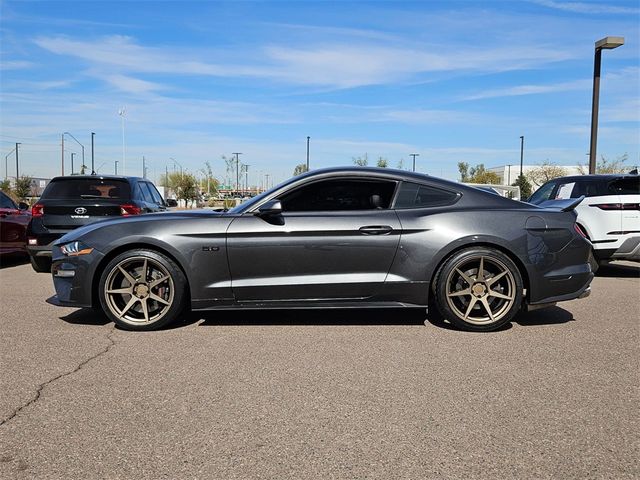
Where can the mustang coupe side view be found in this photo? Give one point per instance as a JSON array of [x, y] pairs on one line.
[[340, 237]]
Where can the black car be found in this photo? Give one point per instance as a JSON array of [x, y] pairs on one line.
[[343, 237], [73, 201]]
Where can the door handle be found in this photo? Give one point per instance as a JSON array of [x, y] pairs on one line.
[[376, 230]]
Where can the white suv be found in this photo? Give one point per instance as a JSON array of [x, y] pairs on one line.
[[609, 215]]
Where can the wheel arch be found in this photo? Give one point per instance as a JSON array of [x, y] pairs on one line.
[[524, 274], [95, 301]]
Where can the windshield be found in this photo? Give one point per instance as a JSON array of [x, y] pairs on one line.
[[243, 207]]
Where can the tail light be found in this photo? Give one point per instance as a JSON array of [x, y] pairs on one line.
[[617, 206], [129, 209], [37, 210], [579, 229]]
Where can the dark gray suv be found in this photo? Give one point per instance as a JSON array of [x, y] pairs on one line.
[[72, 201]]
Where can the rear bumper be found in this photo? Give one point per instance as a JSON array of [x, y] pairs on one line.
[[625, 249]]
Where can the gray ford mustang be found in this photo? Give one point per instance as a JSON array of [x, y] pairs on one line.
[[340, 237]]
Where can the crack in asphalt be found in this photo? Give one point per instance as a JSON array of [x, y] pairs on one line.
[[42, 386]]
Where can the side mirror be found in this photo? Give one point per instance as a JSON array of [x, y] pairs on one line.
[[23, 206], [272, 207]]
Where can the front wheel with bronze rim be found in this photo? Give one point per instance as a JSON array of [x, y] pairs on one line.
[[479, 289], [142, 290]]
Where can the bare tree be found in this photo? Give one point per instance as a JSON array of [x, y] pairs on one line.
[[361, 161], [607, 166], [545, 172]]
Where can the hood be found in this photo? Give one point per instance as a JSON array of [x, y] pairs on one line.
[[173, 217]]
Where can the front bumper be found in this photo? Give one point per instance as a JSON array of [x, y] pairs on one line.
[[73, 278]]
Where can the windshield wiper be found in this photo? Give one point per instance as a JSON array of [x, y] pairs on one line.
[[91, 196]]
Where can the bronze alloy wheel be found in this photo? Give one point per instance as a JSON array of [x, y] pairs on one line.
[[138, 290], [479, 289]]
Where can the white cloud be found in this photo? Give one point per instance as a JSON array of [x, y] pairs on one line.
[[338, 65], [530, 90], [15, 65], [588, 8], [132, 85]]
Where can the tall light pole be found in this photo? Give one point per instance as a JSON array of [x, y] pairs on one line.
[[237, 154], [6, 163], [92, 164], [17, 173], [414, 155], [308, 138], [176, 163], [122, 113], [607, 43], [81, 145], [144, 167], [72, 154], [521, 152], [246, 178]]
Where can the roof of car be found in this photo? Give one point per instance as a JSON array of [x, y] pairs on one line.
[[101, 177], [597, 176]]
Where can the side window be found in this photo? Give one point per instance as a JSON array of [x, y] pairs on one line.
[[144, 192], [157, 198], [543, 193], [336, 195], [625, 186], [564, 190], [6, 202], [412, 195]]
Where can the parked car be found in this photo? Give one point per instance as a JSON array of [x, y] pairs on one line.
[[342, 237], [609, 216], [73, 201], [14, 219]]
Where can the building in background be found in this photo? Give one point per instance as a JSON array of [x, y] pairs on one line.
[[509, 173]]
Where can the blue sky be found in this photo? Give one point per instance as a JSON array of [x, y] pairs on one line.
[[453, 81]]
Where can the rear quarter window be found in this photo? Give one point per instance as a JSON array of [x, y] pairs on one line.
[[413, 195], [625, 186], [69, 188]]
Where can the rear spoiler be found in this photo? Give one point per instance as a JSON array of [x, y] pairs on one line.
[[564, 205]]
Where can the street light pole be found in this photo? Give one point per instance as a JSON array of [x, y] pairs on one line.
[[308, 138], [521, 152], [607, 43], [62, 162], [237, 154], [92, 164], [122, 112], [6, 164], [414, 155], [82, 146], [246, 178], [17, 173]]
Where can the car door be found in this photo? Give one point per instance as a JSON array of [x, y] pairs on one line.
[[333, 239]]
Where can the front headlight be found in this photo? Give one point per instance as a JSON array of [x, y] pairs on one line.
[[73, 249]]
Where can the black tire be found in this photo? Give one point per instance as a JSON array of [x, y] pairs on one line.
[[469, 298], [41, 264], [142, 301]]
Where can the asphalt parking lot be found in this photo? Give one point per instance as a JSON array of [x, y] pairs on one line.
[[320, 394]]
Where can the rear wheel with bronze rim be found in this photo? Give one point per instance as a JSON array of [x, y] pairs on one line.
[[479, 289]]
